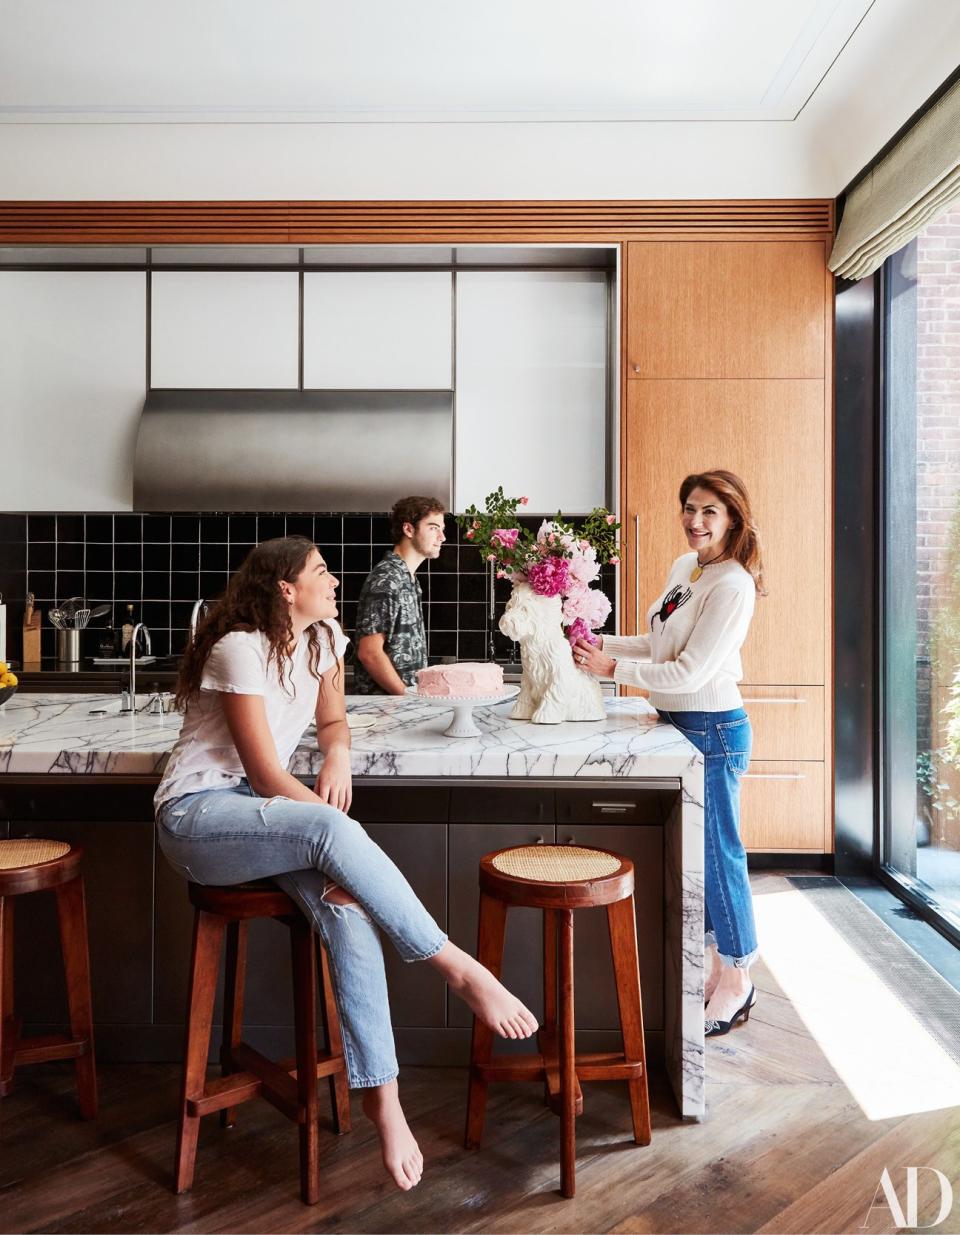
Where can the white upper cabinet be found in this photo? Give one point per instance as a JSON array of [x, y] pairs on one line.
[[233, 329], [532, 388], [377, 330], [72, 382]]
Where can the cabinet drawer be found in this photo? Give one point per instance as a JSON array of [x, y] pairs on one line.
[[787, 721], [782, 806], [393, 803], [601, 804], [502, 804]]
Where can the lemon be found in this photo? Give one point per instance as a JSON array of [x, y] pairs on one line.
[[11, 679], [4, 668]]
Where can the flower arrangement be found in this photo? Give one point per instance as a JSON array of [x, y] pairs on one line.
[[558, 560]]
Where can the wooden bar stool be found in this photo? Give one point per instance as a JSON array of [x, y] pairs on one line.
[[291, 1085], [560, 879], [38, 866]]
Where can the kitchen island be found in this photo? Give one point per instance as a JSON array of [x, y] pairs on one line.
[[74, 766]]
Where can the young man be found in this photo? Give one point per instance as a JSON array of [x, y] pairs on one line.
[[391, 640]]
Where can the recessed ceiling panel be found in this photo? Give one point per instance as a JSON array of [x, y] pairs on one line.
[[318, 61]]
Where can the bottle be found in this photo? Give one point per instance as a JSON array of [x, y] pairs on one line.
[[126, 631], [108, 641]]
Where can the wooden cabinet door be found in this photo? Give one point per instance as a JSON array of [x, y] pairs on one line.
[[781, 807], [726, 309], [772, 434]]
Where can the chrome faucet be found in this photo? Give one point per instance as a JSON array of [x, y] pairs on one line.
[[197, 612], [128, 697]]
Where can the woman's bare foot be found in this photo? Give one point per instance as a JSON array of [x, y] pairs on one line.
[[730, 993], [713, 968], [401, 1153], [483, 994]]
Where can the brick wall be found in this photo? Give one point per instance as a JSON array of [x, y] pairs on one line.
[[938, 448]]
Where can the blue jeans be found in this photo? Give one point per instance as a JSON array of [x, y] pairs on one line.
[[228, 836], [724, 739]]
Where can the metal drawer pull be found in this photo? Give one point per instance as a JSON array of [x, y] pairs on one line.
[[773, 776], [613, 808], [774, 701], [636, 574]]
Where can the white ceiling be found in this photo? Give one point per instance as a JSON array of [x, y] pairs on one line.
[[444, 99], [428, 60]]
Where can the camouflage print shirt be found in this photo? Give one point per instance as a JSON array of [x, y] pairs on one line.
[[391, 605]]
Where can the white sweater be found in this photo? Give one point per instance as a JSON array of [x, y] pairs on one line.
[[690, 661]]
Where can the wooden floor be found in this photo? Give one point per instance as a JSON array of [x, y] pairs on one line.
[[785, 1148]]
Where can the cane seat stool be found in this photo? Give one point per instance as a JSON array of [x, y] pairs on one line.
[[289, 1085], [31, 865], [560, 879]]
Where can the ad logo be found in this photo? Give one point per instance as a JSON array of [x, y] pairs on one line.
[[909, 1217]]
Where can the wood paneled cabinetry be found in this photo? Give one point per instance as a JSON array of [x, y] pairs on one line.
[[727, 361]]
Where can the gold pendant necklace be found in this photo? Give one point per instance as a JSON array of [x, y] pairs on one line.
[[698, 569]]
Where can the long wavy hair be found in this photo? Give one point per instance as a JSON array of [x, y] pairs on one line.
[[253, 601], [743, 539]]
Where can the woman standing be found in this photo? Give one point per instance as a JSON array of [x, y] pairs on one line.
[[267, 660], [690, 664]]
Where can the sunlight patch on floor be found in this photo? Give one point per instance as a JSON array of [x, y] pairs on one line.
[[890, 1064]]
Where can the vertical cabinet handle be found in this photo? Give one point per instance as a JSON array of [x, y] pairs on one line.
[[636, 574]]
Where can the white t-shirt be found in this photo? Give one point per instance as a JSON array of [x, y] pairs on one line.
[[205, 756], [690, 661]]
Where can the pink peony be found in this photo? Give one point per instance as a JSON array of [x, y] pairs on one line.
[[580, 630], [491, 557], [524, 501], [551, 577], [470, 534], [502, 574], [506, 536], [584, 568], [611, 519], [614, 561], [590, 604]]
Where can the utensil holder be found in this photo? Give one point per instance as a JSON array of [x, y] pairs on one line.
[[68, 647]]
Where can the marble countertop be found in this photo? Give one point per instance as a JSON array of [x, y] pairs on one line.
[[56, 734]]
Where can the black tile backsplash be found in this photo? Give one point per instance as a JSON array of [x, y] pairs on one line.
[[162, 563]]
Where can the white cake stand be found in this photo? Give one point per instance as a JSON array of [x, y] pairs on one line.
[[462, 725]]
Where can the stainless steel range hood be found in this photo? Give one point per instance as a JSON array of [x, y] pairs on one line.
[[291, 450]]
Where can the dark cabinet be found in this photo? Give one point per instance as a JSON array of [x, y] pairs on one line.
[[418, 995], [141, 920], [593, 969], [523, 950], [118, 883]]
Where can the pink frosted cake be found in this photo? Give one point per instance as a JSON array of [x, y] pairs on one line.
[[467, 680]]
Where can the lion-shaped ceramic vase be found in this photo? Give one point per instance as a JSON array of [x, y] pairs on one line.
[[552, 688]]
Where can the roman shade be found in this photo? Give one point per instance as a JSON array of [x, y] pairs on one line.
[[914, 184]]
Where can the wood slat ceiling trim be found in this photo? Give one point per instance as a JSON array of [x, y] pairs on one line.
[[407, 222]]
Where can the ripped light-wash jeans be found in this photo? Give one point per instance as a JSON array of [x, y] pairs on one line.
[[228, 836], [724, 739]]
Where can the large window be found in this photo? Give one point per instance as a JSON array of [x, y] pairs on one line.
[[921, 571]]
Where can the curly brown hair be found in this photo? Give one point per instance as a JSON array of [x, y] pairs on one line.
[[253, 601], [412, 510], [744, 536]]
